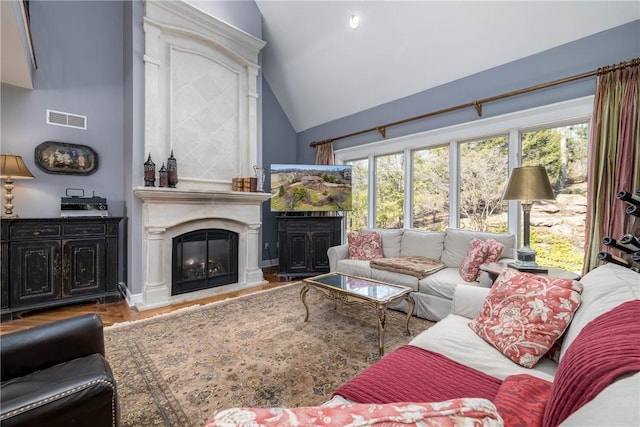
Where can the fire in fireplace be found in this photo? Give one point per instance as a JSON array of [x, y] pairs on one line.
[[204, 259]]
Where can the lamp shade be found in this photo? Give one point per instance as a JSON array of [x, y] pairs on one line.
[[13, 167], [528, 183]]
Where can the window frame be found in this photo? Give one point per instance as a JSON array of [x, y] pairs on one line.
[[558, 114]]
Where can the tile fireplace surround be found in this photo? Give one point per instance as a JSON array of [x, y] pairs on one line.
[[201, 97]]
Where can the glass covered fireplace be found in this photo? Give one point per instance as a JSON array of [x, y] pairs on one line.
[[204, 259]]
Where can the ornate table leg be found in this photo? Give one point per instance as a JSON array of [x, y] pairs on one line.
[[303, 297], [382, 320], [412, 306]]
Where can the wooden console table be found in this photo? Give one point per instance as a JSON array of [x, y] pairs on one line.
[[48, 262]]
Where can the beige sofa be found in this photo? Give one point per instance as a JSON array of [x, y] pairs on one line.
[[605, 288], [433, 294]]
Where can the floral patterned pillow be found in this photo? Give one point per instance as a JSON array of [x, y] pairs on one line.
[[450, 413], [364, 246], [470, 267], [493, 253], [524, 314]]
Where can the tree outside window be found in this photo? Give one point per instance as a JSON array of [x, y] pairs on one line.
[[390, 191], [483, 176], [430, 185]]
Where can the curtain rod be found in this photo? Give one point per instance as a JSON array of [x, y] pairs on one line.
[[477, 104]]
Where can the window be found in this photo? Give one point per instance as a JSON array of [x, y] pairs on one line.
[[456, 177], [558, 227], [483, 175], [389, 191], [357, 217], [430, 188]]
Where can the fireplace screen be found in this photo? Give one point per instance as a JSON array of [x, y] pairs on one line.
[[204, 259]]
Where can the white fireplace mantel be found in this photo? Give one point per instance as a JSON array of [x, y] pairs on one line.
[[168, 213], [201, 99]]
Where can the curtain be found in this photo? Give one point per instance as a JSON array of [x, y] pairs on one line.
[[324, 154], [614, 151]]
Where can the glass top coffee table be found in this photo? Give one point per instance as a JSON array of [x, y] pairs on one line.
[[358, 290]]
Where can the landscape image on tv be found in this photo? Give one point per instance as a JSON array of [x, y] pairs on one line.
[[303, 188]]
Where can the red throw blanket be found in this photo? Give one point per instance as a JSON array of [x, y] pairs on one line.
[[606, 348], [412, 374]]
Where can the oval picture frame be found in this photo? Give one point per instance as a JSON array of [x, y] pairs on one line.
[[64, 158]]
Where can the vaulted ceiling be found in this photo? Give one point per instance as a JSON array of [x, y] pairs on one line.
[[320, 69]]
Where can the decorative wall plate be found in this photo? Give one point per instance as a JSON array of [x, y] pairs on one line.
[[64, 158]]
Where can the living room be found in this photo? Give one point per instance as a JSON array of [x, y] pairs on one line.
[[90, 63]]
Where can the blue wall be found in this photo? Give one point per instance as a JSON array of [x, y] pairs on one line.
[[278, 138], [78, 47], [606, 48]]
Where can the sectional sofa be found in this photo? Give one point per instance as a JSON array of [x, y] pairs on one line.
[[449, 375], [433, 294], [596, 381]]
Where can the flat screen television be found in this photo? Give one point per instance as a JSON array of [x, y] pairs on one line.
[[309, 188]]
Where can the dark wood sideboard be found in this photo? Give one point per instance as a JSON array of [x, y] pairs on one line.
[[48, 262], [303, 242]]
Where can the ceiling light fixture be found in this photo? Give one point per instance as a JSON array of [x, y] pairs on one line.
[[354, 21]]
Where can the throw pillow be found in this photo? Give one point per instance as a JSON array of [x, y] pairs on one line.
[[454, 412], [470, 267], [493, 253], [364, 246], [524, 314]]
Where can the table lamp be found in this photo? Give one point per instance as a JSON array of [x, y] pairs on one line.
[[527, 184], [11, 167]]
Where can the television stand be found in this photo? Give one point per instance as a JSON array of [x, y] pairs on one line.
[[303, 242]]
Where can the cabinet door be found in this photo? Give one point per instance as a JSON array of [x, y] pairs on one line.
[[35, 272], [83, 267], [320, 243], [296, 252]]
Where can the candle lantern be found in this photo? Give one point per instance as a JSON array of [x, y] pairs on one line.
[[149, 173], [163, 176], [172, 171]]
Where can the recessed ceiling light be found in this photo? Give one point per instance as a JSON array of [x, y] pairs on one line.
[[354, 21]]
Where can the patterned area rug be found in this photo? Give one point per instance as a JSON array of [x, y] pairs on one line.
[[178, 369]]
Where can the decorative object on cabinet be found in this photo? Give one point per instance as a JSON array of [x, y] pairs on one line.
[[11, 167], [527, 184], [149, 173], [172, 171], [48, 262], [63, 158], [628, 245], [303, 242]]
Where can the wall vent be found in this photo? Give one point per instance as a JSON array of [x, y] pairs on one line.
[[69, 120]]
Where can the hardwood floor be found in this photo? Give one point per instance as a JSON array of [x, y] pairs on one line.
[[119, 311]]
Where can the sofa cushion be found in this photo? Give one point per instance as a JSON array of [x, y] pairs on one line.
[[364, 246], [453, 338], [605, 287], [477, 252], [442, 284], [524, 314], [456, 244], [428, 244], [391, 239]]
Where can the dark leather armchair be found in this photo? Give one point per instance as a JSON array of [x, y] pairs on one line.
[[57, 375]]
